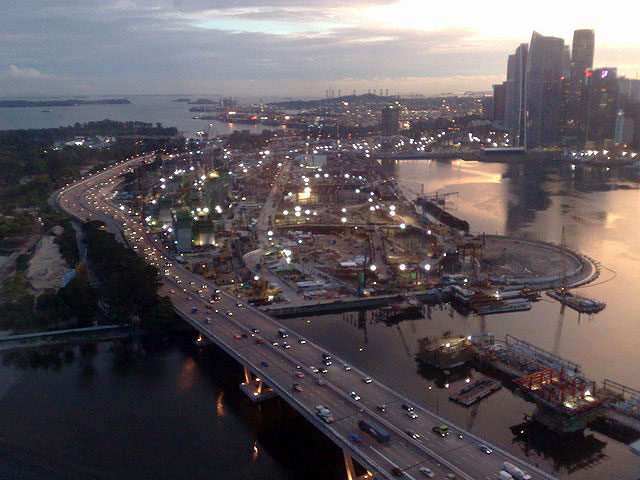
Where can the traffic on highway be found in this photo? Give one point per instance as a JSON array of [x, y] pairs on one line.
[[388, 434]]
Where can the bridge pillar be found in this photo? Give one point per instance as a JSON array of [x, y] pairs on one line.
[[254, 388], [348, 463], [351, 471]]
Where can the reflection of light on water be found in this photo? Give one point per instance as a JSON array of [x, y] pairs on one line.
[[611, 219], [254, 455], [187, 375], [219, 405]]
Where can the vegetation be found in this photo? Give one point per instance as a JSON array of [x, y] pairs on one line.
[[129, 284], [67, 244]]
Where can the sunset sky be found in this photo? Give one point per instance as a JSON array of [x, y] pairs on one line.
[[287, 47]]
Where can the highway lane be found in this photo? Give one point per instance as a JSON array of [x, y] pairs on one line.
[[443, 455]]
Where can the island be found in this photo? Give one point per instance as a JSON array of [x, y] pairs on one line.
[[62, 103]]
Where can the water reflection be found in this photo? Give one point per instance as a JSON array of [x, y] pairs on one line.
[[567, 452]]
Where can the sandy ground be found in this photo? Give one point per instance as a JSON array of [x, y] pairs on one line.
[[46, 267]]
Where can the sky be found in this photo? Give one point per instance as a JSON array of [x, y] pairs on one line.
[[288, 48]]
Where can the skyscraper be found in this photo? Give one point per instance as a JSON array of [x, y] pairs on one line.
[[575, 122], [582, 52], [514, 114], [543, 86], [390, 124], [602, 104], [499, 98]]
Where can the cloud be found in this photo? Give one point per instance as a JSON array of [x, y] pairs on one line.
[[15, 72]]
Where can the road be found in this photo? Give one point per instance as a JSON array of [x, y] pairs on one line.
[[231, 328]]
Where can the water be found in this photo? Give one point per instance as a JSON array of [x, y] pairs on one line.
[[145, 108], [599, 211], [110, 412]]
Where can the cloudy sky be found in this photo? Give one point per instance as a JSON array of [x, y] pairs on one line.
[[287, 47]]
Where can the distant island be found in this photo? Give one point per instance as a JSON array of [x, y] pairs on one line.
[[184, 100], [62, 103]]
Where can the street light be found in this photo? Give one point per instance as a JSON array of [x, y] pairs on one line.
[[372, 268], [403, 267]]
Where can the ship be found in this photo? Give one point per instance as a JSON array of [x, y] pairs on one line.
[[407, 308], [445, 352], [577, 302]]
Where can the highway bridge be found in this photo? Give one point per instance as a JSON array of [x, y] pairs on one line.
[[250, 337]]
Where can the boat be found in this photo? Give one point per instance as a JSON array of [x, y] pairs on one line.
[[407, 308], [577, 302], [445, 352]]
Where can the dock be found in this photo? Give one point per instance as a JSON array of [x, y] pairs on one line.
[[475, 391]]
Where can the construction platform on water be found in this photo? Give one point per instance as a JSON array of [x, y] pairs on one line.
[[474, 391], [576, 302]]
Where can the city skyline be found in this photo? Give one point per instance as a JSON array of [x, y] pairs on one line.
[[250, 47]]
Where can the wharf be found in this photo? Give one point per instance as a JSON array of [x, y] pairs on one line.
[[431, 296], [475, 391], [578, 303]]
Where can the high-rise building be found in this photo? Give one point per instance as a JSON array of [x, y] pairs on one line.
[[625, 129], [543, 86], [602, 105], [582, 50], [390, 124], [575, 96], [514, 114], [499, 98], [629, 89]]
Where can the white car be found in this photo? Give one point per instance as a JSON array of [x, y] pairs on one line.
[[427, 472]]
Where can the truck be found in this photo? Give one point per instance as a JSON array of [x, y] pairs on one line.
[[283, 333], [515, 472], [375, 430], [502, 475], [324, 413]]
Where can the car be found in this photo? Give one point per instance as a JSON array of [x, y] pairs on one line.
[[188, 298], [302, 341], [172, 291], [441, 430], [327, 362], [259, 341], [382, 407], [355, 396], [367, 380], [323, 370], [244, 335], [238, 304], [427, 472], [413, 434], [192, 282], [215, 310], [285, 345], [396, 472], [485, 449], [412, 415], [208, 320], [237, 336], [264, 363], [346, 367], [274, 343], [407, 407], [217, 290], [299, 374], [255, 330], [297, 387], [313, 369], [199, 291], [355, 438], [321, 382], [326, 356], [451, 476], [230, 313]]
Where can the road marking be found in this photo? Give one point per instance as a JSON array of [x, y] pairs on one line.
[[390, 461]]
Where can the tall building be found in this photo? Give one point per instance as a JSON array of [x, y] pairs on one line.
[[499, 98], [629, 89], [575, 94], [582, 50], [390, 124], [543, 86], [514, 114], [602, 104]]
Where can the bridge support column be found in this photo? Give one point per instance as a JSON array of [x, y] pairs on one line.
[[351, 471], [254, 388], [348, 463]]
